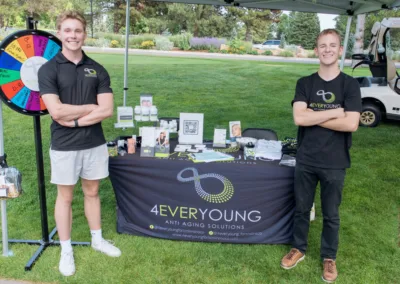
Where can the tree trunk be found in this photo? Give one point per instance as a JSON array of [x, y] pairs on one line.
[[196, 30], [359, 36], [249, 36], [117, 12]]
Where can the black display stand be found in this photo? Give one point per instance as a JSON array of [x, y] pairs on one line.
[[47, 239]]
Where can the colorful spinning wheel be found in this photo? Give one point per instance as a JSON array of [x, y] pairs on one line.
[[21, 55]]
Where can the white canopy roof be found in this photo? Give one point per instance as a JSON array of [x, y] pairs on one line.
[[342, 7]]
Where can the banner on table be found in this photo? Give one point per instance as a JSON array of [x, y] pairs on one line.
[[218, 202]]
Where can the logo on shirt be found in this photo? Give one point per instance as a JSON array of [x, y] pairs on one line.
[[90, 72], [328, 97]]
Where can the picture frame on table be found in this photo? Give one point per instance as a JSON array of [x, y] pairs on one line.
[[235, 130], [191, 128]]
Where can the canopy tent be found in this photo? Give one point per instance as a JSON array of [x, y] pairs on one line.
[[340, 7]]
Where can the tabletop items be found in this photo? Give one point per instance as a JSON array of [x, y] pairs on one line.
[[154, 140]]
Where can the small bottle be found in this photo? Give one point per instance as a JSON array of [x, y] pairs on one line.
[[131, 146], [153, 113], [138, 113], [145, 113]]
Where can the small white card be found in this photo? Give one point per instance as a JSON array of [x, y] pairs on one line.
[[219, 137]]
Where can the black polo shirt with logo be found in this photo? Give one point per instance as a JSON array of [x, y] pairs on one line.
[[75, 84]]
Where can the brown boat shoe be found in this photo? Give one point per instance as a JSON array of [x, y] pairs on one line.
[[292, 258]]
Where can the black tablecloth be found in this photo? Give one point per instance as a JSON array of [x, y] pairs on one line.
[[243, 201]]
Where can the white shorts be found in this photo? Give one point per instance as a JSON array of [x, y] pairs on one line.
[[68, 166]]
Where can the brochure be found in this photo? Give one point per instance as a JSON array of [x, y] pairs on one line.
[[148, 141], [211, 156], [162, 145]]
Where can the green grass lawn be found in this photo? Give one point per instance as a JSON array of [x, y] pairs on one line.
[[259, 95]]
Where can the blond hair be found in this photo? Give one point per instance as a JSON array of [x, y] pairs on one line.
[[70, 15], [328, 32]]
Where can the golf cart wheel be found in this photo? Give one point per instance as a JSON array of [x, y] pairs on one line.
[[370, 116]]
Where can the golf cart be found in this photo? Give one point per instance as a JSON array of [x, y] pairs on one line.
[[380, 93]]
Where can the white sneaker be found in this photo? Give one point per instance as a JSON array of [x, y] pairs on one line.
[[106, 248], [67, 263]]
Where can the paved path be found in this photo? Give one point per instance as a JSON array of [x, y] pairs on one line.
[[194, 54], [6, 281]]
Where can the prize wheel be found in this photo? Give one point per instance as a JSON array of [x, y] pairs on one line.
[[21, 55]]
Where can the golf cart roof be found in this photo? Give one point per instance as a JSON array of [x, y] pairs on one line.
[[342, 7]]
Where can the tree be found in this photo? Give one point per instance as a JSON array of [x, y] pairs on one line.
[[256, 22], [283, 26], [359, 35], [304, 29]]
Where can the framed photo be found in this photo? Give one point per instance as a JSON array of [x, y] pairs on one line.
[[146, 100], [235, 130]]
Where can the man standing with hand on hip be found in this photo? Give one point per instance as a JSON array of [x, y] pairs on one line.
[[326, 107], [76, 91]]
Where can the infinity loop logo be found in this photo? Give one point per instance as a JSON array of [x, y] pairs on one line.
[[222, 197], [323, 94]]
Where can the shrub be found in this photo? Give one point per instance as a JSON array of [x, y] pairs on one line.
[[122, 30], [148, 44], [138, 39], [267, 52], [90, 41], [248, 46], [292, 48], [253, 52], [182, 40], [202, 43], [163, 43], [114, 43], [234, 46], [286, 53], [213, 50], [311, 55], [111, 36], [224, 51]]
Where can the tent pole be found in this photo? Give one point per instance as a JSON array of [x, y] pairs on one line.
[[3, 201], [128, 4], [346, 41]]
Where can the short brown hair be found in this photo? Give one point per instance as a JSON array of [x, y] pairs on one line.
[[70, 15], [328, 32]]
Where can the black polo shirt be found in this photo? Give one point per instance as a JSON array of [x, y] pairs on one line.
[[75, 84]]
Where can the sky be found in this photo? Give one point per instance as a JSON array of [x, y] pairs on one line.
[[326, 21]]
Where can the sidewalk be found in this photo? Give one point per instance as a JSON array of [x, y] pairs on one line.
[[194, 54], [8, 281]]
